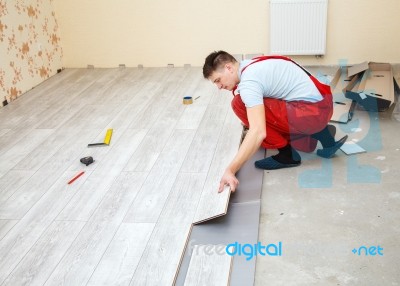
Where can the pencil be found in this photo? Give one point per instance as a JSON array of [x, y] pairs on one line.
[[76, 177]]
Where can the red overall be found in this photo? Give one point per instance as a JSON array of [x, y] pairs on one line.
[[290, 121]]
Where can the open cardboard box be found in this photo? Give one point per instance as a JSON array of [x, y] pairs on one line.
[[343, 107], [372, 86]]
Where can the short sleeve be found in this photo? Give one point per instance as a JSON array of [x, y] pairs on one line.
[[251, 92]]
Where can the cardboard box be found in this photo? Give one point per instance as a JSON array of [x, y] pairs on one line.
[[375, 89], [343, 107]]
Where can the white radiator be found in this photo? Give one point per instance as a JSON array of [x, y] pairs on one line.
[[298, 27]]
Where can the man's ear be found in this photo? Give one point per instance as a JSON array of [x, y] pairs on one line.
[[229, 66]]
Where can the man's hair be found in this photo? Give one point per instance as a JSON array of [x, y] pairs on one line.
[[216, 60]]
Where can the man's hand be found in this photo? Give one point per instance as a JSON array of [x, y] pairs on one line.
[[230, 179]]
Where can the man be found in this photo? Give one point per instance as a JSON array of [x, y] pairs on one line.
[[283, 106]]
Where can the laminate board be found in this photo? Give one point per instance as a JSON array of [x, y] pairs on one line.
[[12, 181], [43, 257], [152, 145], [12, 138], [92, 192], [39, 183], [122, 256], [64, 107], [5, 226], [82, 258], [3, 131], [212, 203], [208, 266], [19, 151], [20, 239], [161, 99], [152, 196], [39, 155], [183, 199], [192, 116], [162, 256], [202, 149], [92, 116]]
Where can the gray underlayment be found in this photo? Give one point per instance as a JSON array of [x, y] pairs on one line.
[[240, 224]]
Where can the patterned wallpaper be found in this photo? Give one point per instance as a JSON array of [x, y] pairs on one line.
[[30, 50]]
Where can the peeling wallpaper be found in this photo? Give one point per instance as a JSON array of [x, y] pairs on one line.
[[30, 49]]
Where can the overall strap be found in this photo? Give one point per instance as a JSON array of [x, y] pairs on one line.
[[322, 88]]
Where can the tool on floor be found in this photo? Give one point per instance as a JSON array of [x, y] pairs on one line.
[[87, 160], [76, 177], [187, 100], [107, 139]]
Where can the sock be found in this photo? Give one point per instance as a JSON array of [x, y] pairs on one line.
[[287, 155], [325, 137]]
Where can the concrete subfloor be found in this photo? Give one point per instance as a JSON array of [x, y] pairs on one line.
[[326, 208]]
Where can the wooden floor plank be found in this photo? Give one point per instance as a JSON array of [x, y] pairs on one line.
[[81, 260], [43, 152], [205, 141], [17, 153], [154, 142], [29, 193], [131, 213], [11, 182], [19, 240], [163, 255], [212, 203], [99, 182], [209, 266], [5, 226], [151, 199], [161, 259], [40, 261], [122, 256]]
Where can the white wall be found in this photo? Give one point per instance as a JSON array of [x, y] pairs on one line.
[[155, 33]]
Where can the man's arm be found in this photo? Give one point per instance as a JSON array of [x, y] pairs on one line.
[[254, 137]]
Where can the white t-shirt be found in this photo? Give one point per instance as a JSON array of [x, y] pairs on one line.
[[275, 78]]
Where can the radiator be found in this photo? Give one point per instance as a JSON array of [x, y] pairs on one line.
[[298, 27]]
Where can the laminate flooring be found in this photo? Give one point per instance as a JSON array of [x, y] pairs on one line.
[[127, 219]]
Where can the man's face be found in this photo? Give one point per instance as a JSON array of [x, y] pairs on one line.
[[225, 77]]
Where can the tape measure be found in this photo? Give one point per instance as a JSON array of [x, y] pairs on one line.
[[106, 141]]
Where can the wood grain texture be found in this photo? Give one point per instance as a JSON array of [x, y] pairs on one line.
[[122, 256], [38, 264], [162, 256], [18, 152], [205, 141], [20, 239], [82, 258], [127, 220], [12, 181], [212, 203], [209, 265], [5, 226], [82, 206], [151, 199], [40, 182]]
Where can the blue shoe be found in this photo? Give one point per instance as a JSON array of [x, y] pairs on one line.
[[271, 164], [330, 151]]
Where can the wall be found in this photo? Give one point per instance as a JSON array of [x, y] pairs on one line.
[[30, 50], [155, 33]]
